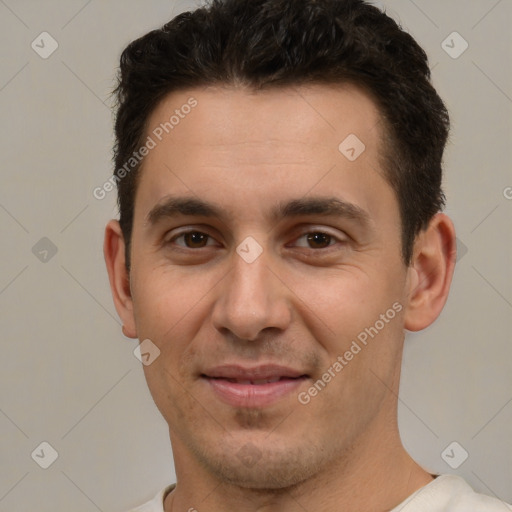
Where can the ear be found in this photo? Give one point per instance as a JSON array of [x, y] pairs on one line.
[[430, 273], [114, 252]]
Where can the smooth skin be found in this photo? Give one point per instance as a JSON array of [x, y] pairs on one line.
[[300, 304]]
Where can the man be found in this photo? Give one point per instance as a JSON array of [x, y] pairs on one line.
[[279, 174]]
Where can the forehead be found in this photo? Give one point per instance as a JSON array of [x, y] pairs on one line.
[[233, 115], [240, 141]]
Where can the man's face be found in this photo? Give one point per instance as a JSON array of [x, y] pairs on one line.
[[273, 288]]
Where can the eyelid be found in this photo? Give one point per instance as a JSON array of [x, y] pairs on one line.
[[185, 231], [317, 229]]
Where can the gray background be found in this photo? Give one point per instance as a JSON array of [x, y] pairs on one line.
[[67, 374]]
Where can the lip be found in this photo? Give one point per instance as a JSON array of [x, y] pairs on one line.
[[264, 371], [222, 381]]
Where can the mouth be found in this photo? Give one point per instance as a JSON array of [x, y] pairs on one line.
[[253, 387], [257, 382]]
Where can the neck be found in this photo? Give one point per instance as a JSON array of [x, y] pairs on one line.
[[375, 474]]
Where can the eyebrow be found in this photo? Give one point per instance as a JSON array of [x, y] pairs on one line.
[[173, 206]]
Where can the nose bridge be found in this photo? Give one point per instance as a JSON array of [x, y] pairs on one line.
[[251, 298]]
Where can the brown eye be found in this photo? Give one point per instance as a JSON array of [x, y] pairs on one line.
[[192, 239], [195, 239], [318, 240]]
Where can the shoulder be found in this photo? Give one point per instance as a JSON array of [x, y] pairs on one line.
[[478, 502], [451, 493], [157, 503]]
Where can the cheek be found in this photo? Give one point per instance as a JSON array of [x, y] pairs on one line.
[[344, 299], [161, 300], [164, 305], [355, 314], [361, 364], [167, 308], [170, 308]]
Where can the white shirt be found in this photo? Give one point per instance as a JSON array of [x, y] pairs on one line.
[[447, 493]]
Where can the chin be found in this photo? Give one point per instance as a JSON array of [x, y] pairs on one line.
[[252, 465]]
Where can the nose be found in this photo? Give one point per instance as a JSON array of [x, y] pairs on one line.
[[252, 297]]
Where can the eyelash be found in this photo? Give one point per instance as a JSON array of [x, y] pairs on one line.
[[313, 232]]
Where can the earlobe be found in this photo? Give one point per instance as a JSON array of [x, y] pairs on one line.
[[114, 253], [430, 273]]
